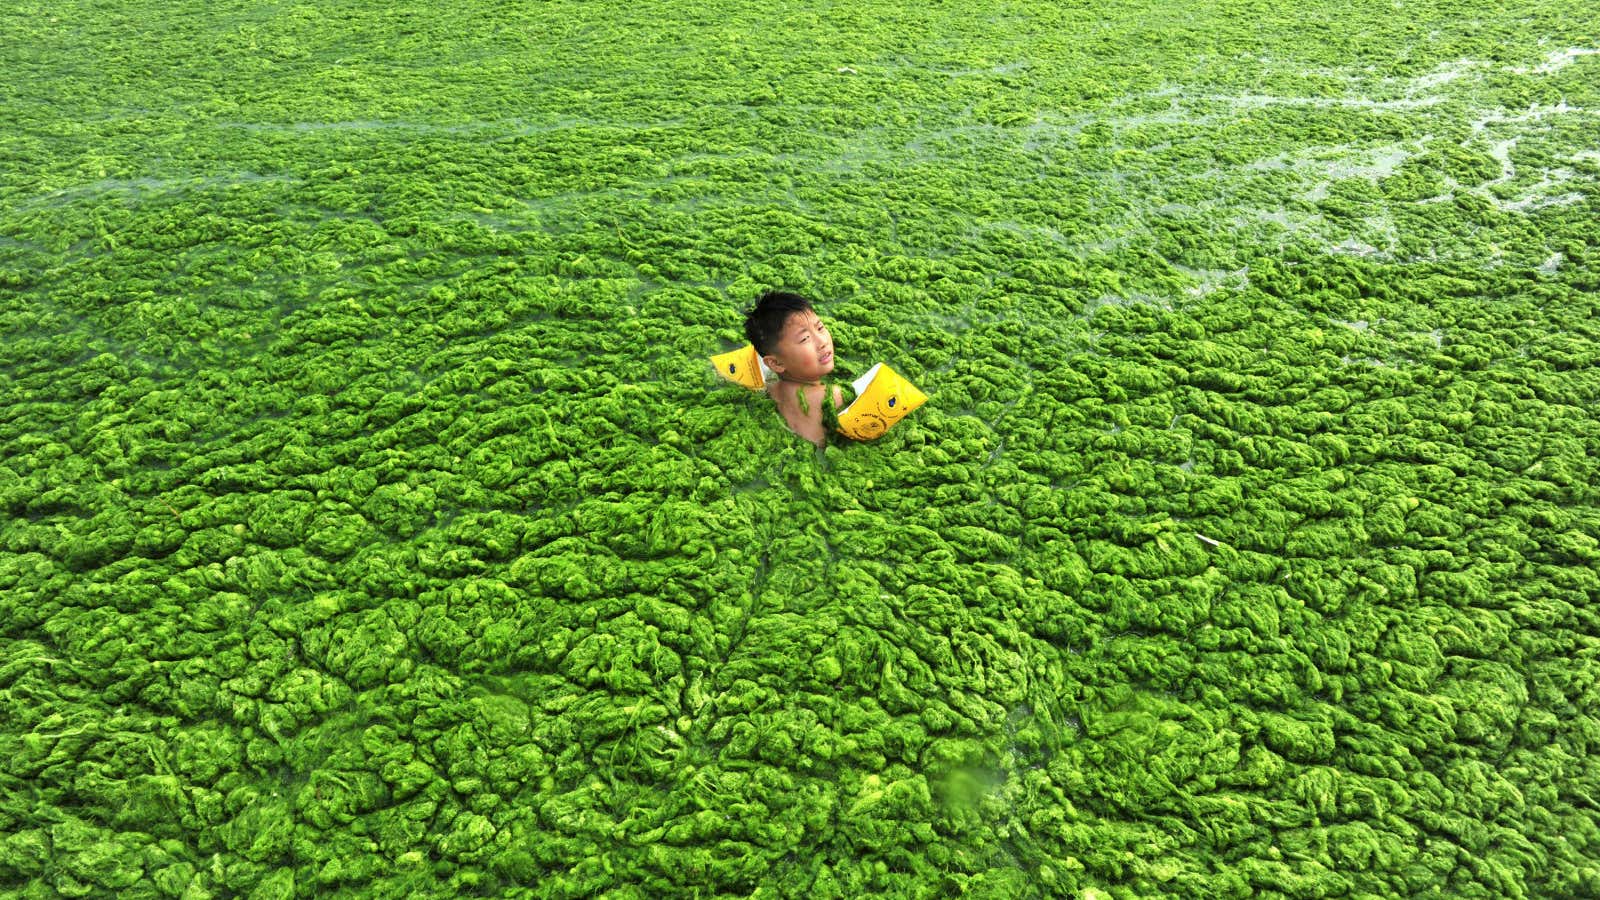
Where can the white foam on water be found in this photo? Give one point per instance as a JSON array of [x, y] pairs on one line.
[[1208, 281], [1446, 73], [1533, 114], [1262, 101], [1500, 151], [147, 185], [1527, 204], [1271, 197], [1550, 189], [1353, 247], [1138, 298], [1556, 60]]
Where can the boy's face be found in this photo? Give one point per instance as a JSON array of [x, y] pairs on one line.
[[804, 351]]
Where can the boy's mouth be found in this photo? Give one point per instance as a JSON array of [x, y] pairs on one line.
[[826, 358]]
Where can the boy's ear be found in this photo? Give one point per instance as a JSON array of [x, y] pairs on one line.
[[772, 363]]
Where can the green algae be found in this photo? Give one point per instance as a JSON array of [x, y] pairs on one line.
[[373, 526]]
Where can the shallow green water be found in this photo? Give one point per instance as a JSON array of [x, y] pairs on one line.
[[374, 524]]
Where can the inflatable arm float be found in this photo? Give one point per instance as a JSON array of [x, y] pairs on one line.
[[883, 396]]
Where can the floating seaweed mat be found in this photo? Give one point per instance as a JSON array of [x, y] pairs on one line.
[[361, 534]]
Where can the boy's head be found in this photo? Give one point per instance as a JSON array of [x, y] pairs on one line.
[[790, 338]]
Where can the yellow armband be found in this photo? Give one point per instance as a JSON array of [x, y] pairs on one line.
[[883, 398], [742, 367]]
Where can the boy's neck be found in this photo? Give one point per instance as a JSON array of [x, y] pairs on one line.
[[783, 380]]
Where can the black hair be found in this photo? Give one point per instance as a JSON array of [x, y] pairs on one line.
[[764, 322]]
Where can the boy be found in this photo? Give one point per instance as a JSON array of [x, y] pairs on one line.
[[795, 345]]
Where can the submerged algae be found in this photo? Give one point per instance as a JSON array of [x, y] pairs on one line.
[[372, 526]]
